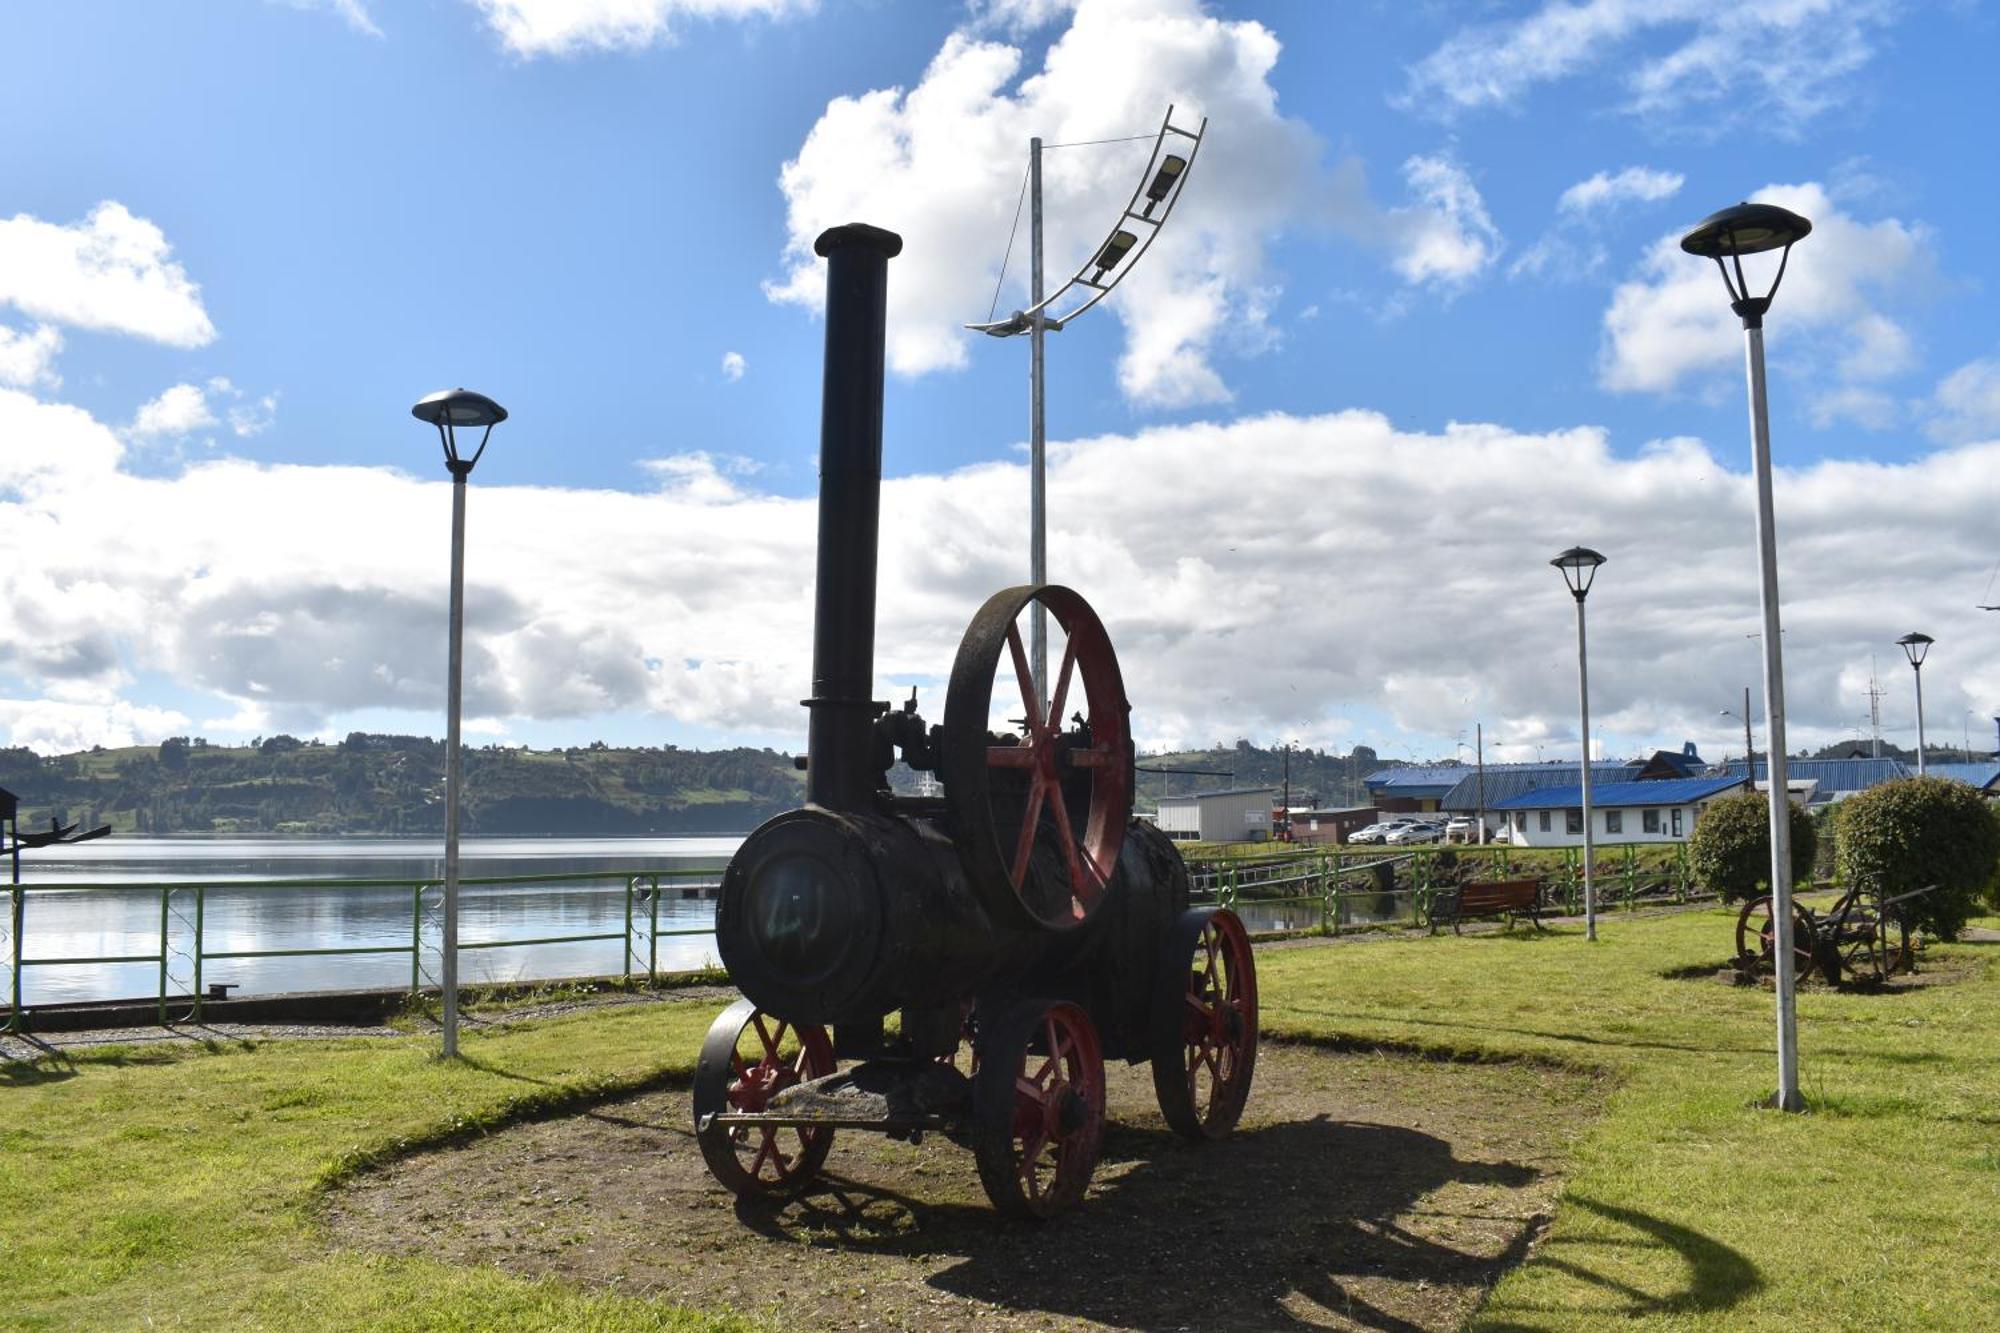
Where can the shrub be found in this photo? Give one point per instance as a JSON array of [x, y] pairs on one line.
[[1914, 832], [1731, 847]]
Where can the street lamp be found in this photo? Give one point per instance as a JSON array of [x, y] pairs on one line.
[[1163, 183], [1726, 237], [1916, 647], [1579, 567], [449, 410], [1749, 751]]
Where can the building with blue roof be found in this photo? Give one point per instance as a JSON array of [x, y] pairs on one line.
[[1983, 774], [1831, 779], [1502, 781], [1412, 789], [1655, 810]]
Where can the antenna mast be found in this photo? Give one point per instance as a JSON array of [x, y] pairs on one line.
[[1875, 693]]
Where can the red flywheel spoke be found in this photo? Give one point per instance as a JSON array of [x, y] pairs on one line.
[[1025, 676]]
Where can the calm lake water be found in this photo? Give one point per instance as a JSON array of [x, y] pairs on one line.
[[110, 905], [90, 918]]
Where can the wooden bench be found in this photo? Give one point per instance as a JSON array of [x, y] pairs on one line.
[[1511, 898]]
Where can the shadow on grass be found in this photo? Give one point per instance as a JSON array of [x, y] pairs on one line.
[[1290, 1226], [1717, 1276], [34, 1072], [1477, 1027]]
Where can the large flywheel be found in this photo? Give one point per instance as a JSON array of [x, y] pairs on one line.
[[1039, 807]]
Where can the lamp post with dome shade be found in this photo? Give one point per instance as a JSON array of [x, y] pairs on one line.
[[1728, 237], [448, 410]]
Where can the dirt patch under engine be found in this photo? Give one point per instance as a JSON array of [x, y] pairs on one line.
[[1362, 1191]]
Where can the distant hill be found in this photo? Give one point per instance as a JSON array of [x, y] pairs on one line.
[[1318, 777], [383, 785], [394, 785]]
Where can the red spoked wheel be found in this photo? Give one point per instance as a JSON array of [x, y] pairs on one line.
[[1757, 934], [1205, 1025], [1038, 1108], [1039, 814], [748, 1058]]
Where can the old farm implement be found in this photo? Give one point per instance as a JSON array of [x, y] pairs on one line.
[[1864, 936], [1022, 929]]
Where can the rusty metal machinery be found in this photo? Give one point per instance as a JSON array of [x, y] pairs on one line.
[[1022, 929]]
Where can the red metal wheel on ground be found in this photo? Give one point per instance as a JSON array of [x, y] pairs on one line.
[[748, 1058], [1039, 817], [1757, 932], [1205, 1025], [1038, 1107]]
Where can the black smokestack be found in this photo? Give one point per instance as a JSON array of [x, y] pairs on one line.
[[838, 746]]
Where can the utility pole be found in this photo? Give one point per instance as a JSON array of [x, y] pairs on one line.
[[1479, 782], [1166, 173], [1875, 710], [1038, 544], [1749, 754], [1288, 792]]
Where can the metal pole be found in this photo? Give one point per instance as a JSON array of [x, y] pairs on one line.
[[453, 767], [1918, 667], [1038, 538], [1780, 803], [1749, 751], [1589, 843], [1288, 791], [18, 917], [1479, 735]]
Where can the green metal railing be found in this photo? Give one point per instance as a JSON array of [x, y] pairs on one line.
[[185, 904], [1627, 874]]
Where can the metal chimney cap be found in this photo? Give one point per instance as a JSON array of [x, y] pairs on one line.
[[858, 233]]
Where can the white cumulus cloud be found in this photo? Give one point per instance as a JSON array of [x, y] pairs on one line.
[[567, 27], [298, 594], [354, 13], [1446, 238], [29, 359], [1605, 189], [1966, 405], [733, 366], [1672, 320], [943, 163], [185, 409], [1686, 64], [113, 272], [180, 410]]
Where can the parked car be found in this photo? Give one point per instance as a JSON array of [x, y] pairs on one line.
[[1462, 828], [1410, 834], [1380, 830], [1505, 833]]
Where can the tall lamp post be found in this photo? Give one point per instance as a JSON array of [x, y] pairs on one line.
[[1749, 751], [1579, 567], [1916, 647], [448, 410], [1726, 237]]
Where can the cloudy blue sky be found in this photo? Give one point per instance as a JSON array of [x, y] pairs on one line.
[[1418, 324]]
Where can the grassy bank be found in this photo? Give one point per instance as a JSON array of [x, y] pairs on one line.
[[173, 1186]]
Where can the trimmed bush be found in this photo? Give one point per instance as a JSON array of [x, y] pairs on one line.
[[1730, 851], [1915, 832]]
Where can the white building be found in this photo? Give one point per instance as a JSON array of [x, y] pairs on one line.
[[1663, 810], [1241, 814]]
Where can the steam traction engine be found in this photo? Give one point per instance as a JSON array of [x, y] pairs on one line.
[[1023, 927]]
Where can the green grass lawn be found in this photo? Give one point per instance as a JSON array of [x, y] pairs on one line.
[[174, 1186], [1686, 1206]]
